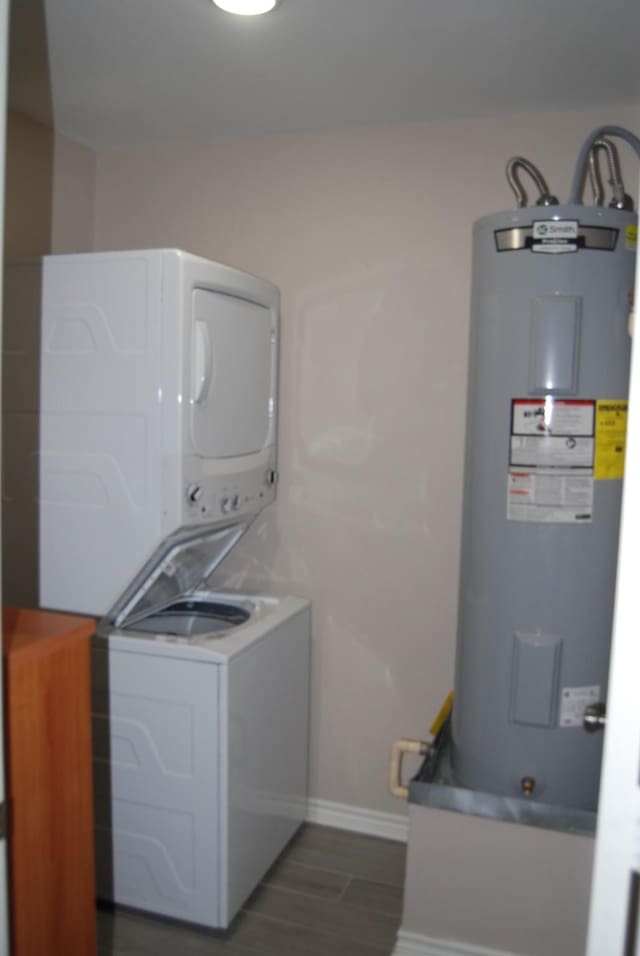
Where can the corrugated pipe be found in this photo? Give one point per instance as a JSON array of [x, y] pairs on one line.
[[519, 162], [583, 156]]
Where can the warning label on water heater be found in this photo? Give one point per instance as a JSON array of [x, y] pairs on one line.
[[551, 460], [549, 498]]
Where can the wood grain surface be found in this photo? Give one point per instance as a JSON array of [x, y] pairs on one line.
[[48, 732]]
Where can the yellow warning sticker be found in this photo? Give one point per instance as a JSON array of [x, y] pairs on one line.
[[611, 430], [631, 237]]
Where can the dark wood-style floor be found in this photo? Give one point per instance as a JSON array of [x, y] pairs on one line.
[[331, 893]]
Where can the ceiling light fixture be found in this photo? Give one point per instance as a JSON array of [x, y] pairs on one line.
[[246, 8]]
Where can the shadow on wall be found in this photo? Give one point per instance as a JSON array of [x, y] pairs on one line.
[[29, 170], [27, 233], [22, 303]]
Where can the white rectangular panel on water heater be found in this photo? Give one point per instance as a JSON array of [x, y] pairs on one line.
[[157, 411]]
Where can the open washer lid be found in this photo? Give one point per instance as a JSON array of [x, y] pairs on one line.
[[177, 568]]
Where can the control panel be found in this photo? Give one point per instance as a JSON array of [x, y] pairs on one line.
[[211, 498]]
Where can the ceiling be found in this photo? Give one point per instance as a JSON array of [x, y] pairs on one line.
[[116, 72]]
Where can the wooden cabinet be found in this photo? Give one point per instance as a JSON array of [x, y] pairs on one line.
[[48, 754]]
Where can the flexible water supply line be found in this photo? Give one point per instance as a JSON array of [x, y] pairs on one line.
[[544, 199], [620, 199], [595, 179], [575, 196]]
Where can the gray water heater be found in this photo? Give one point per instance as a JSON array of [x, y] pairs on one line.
[[549, 366]]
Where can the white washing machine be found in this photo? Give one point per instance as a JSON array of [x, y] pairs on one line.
[[200, 737]]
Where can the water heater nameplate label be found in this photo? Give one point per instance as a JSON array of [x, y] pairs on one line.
[[573, 703], [551, 460]]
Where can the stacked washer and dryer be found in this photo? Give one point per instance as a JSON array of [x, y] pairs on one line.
[[157, 425]]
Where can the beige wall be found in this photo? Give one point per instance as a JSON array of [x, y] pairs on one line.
[[29, 188], [50, 191], [74, 191], [367, 234]]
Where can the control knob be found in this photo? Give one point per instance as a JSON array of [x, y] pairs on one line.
[[194, 493]]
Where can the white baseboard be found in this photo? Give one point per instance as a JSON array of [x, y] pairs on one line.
[[391, 826], [413, 944]]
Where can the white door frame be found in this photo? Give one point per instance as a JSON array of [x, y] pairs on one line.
[[4, 36], [614, 907]]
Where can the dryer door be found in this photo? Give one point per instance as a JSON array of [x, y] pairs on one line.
[[233, 375]]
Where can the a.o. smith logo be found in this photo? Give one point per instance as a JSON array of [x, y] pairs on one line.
[[555, 229]]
